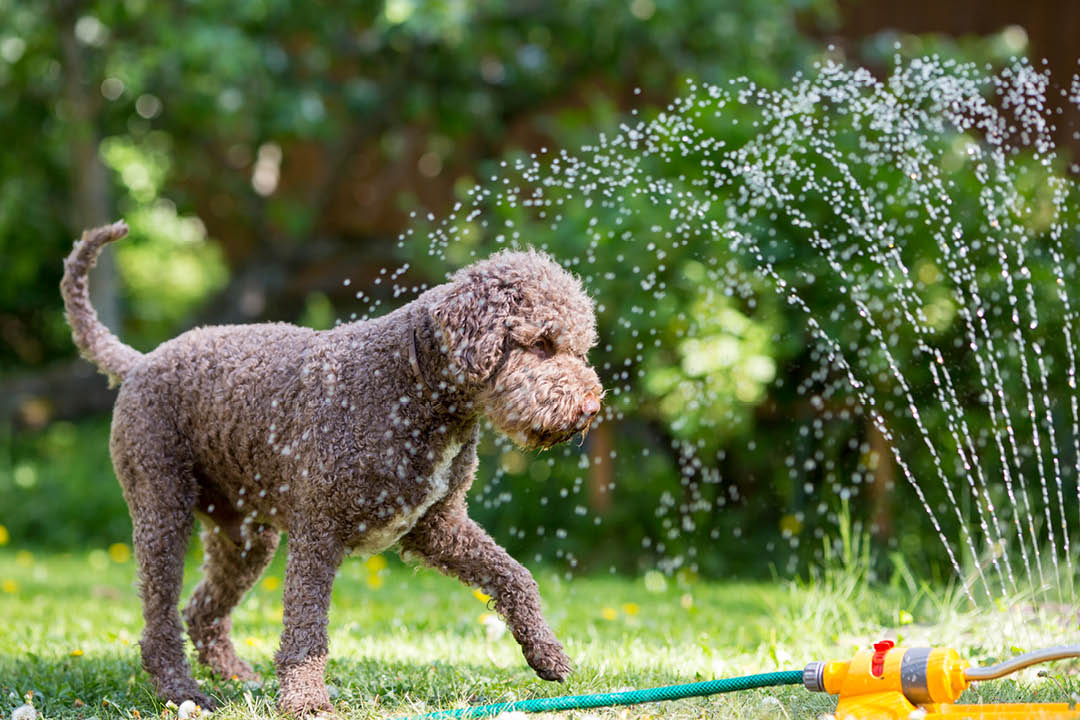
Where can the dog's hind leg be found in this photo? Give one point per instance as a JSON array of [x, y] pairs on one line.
[[160, 491], [229, 571]]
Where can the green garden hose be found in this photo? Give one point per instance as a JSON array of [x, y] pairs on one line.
[[629, 697]]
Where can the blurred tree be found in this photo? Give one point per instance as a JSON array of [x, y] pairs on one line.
[[264, 150], [294, 133]]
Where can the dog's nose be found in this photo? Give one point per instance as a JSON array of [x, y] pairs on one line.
[[591, 405]]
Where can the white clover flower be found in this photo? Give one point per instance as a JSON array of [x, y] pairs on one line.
[[188, 709], [24, 712], [494, 627]]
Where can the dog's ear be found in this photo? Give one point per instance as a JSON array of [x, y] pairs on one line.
[[473, 319]]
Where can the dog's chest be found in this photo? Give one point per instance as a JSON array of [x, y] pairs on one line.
[[391, 516]]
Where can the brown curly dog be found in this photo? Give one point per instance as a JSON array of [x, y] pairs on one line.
[[353, 439]]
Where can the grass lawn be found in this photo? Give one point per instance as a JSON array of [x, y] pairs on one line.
[[407, 641]]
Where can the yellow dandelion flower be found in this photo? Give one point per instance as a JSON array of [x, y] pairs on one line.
[[5, 536], [24, 558], [374, 581], [271, 583], [252, 642], [375, 563], [481, 596], [790, 525], [119, 553], [77, 652], [9, 586], [631, 608], [609, 613]]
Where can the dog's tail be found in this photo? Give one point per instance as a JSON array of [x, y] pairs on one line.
[[93, 339]]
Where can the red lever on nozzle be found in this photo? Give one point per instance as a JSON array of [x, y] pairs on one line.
[[877, 663]]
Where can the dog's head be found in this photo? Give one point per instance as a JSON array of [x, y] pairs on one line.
[[517, 329]]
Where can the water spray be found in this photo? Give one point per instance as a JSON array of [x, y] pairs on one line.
[[883, 683]]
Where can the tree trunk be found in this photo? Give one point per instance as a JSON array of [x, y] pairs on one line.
[[882, 483], [89, 183], [601, 469]]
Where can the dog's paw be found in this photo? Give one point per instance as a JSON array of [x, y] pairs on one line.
[[549, 661], [312, 709], [306, 702]]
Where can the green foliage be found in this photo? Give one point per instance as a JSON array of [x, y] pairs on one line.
[[203, 110], [318, 312], [195, 103], [168, 267], [715, 377], [229, 130], [167, 263], [57, 489], [796, 448]]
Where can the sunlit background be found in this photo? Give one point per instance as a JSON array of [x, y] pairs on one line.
[[277, 160]]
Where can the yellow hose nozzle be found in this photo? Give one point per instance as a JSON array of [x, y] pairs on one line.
[[894, 682]]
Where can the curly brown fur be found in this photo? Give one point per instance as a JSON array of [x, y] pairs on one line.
[[354, 439]]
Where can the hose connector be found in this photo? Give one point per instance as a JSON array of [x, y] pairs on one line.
[[813, 676]]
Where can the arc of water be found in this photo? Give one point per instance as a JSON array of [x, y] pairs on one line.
[[964, 280], [991, 125], [886, 254], [888, 259], [613, 173], [837, 357], [875, 331], [1019, 86], [961, 122], [1046, 154], [1074, 401]]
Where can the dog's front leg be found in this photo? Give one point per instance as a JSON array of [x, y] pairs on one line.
[[447, 539], [301, 660]]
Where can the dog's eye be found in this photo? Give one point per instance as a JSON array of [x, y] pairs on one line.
[[542, 348]]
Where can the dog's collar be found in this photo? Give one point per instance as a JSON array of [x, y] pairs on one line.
[[437, 398], [413, 362]]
